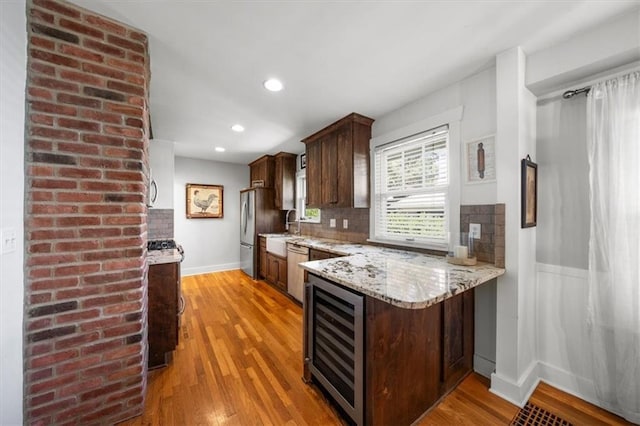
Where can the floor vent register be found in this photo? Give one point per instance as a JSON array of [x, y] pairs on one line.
[[531, 415]]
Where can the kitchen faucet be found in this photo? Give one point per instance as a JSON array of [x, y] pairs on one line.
[[297, 221]]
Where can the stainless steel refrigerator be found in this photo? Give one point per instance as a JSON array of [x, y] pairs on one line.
[[258, 215]]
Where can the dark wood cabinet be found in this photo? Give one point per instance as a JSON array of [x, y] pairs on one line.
[[338, 164], [163, 312], [262, 272], [263, 169], [457, 346], [314, 173], [411, 357], [285, 180], [315, 254], [277, 271]]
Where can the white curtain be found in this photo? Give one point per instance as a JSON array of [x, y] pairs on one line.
[[613, 120]]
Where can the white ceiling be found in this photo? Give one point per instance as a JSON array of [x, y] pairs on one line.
[[209, 59]]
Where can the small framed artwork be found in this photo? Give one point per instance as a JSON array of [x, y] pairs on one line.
[[303, 161], [529, 193], [481, 160], [204, 201]]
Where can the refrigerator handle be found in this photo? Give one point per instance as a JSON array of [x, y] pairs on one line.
[[244, 218]]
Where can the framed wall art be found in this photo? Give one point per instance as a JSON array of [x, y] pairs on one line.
[[529, 193], [204, 201], [303, 161], [481, 160]]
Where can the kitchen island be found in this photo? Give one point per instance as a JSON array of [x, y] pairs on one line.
[[388, 332]]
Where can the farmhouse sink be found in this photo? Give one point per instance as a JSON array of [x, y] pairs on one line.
[[277, 246]]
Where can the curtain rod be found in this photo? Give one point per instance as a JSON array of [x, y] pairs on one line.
[[571, 93]]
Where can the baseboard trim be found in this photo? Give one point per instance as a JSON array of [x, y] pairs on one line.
[[516, 393], [209, 268], [577, 386], [483, 366]]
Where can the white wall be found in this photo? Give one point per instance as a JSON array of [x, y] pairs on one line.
[[543, 335], [209, 244], [161, 160], [516, 358], [13, 54], [564, 354], [612, 44], [563, 191], [477, 96]]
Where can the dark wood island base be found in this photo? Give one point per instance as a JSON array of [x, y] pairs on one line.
[[411, 357]]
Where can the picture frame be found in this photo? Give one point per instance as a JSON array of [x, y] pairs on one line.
[[529, 193], [303, 161], [480, 160], [204, 201]]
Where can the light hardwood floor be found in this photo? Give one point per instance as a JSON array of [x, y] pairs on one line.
[[239, 362]]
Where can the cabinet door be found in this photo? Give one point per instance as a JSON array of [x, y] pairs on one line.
[[272, 268], [329, 191], [321, 254], [285, 181], [344, 166], [263, 169], [314, 176], [457, 355], [162, 311], [282, 274], [263, 258]]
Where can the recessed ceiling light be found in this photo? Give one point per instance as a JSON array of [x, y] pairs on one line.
[[237, 128], [220, 149], [273, 84]]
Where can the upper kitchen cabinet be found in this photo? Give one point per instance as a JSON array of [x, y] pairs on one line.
[[263, 169], [285, 180], [161, 162], [338, 164]]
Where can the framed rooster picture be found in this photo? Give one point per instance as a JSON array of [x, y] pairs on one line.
[[204, 201]]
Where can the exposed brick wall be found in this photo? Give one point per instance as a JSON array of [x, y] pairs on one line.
[[86, 219]]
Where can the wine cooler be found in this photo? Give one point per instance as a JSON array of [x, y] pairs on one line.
[[334, 347]]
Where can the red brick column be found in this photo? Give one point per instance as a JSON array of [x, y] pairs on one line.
[[86, 219]]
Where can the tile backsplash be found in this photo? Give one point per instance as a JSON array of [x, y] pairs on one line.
[[357, 230], [160, 224], [490, 247]]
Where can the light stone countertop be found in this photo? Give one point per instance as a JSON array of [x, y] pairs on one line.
[[402, 278], [157, 257]]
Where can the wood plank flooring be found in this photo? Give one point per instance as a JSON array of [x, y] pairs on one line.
[[239, 362]]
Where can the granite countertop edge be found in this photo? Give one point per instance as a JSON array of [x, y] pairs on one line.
[[159, 257], [455, 287], [367, 270]]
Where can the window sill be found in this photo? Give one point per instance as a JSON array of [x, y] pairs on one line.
[[407, 244]]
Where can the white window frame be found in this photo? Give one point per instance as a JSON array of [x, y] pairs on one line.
[[451, 118], [301, 199]]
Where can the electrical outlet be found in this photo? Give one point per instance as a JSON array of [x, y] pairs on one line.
[[475, 230], [332, 223], [345, 223], [8, 237]]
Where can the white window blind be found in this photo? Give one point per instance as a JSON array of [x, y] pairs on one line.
[[412, 189]]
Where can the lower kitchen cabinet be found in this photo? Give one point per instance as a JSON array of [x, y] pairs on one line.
[[163, 312], [262, 273], [277, 271], [410, 357], [315, 254]]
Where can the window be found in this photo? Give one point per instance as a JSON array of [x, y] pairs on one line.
[[306, 214], [412, 181]]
